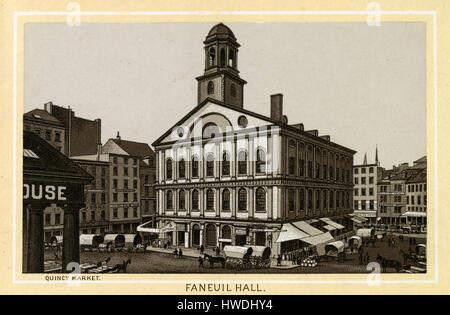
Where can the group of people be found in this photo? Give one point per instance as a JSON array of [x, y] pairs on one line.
[[178, 253]]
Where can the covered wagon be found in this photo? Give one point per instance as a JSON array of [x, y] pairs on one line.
[[260, 256], [132, 240], [365, 233], [115, 240], [335, 249], [90, 241], [237, 257]]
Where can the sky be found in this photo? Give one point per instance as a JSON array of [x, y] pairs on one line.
[[362, 85]]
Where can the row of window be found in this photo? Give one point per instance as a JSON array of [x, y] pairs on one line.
[[47, 134], [364, 191], [124, 197], [92, 216], [210, 200], [125, 184], [323, 199], [93, 199], [210, 165], [364, 205], [396, 198], [397, 209], [364, 180], [417, 209], [124, 160], [417, 188], [126, 213], [212, 60], [57, 219], [125, 171], [364, 170], [396, 188], [419, 200]]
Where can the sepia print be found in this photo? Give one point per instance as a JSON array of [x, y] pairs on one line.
[[225, 148]]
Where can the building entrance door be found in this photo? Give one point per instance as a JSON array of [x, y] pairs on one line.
[[211, 235], [260, 238], [195, 235]]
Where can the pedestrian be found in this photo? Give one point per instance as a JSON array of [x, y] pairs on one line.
[[200, 261], [175, 253], [202, 249], [367, 258], [279, 260], [360, 258], [217, 251], [180, 253]]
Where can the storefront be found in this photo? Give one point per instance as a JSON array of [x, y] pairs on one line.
[[49, 178]]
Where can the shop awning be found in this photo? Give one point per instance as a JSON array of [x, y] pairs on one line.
[[332, 223], [289, 233], [318, 239], [414, 214], [366, 213], [357, 219], [144, 228], [329, 228], [306, 228]]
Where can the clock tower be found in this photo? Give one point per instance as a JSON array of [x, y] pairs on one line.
[[221, 79]]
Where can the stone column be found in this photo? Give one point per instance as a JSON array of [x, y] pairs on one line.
[[35, 239], [71, 239]]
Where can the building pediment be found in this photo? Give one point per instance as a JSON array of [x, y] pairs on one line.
[[228, 119]]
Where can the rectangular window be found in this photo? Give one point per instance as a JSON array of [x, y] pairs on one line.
[[135, 172], [57, 137], [363, 180], [125, 213], [125, 197], [48, 135], [135, 212], [371, 180], [301, 167], [125, 183], [356, 192], [114, 197], [125, 171], [115, 183], [291, 165], [370, 191], [363, 192], [356, 181], [48, 219], [58, 218], [115, 171], [115, 213]]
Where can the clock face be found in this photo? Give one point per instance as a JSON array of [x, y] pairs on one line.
[[242, 122]]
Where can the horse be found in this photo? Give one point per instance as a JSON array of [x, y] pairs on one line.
[[212, 260], [122, 267], [389, 263], [408, 257]]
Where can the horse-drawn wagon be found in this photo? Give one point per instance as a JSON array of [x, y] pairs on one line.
[[260, 257], [238, 257], [335, 250], [89, 242], [354, 242]]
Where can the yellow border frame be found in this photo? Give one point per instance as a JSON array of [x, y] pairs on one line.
[[433, 14]]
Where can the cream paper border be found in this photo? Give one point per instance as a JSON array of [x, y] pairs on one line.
[[17, 13]]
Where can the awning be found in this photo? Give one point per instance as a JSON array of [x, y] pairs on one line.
[[357, 219], [366, 213], [414, 214], [332, 223], [289, 233], [143, 228], [169, 227], [306, 228], [318, 239], [329, 228]]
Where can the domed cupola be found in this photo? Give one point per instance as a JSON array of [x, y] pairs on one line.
[[221, 79]]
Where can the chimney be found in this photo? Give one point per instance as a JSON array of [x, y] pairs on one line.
[[276, 107], [99, 151], [48, 107], [118, 136]]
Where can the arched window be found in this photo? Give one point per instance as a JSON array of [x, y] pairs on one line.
[[182, 200], [210, 87], [210, 199], [225, 164], [226, 200], [182, 168], [242, 163], [231, 58], [194, 166], [210, 131], [222, 57], [169, 200], [212, 56], [226, 232], [169, 169], [260, 200], [242, 200], [291, 199], [195, 199], [233, 90], [260, 161], [210, 165], [302, 199]]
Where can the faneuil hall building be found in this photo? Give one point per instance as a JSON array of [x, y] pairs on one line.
[[229, 176]]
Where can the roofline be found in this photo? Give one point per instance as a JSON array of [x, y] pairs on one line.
[[250, 113]]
